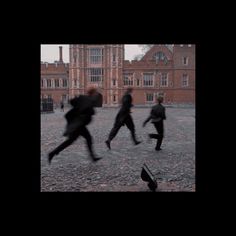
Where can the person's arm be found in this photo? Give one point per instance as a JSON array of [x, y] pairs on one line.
[[164, 114], [147, 120]]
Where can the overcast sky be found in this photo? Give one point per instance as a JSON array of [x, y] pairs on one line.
[[50, 52]]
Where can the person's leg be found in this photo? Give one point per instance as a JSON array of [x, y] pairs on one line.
[[154, 136], [159, 128], [63, 146], [113, 133], [85, 133], [130, 125]]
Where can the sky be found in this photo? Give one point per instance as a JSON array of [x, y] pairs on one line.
[[50, 52]]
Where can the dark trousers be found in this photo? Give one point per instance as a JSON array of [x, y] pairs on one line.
[[160, 133], [128, 121], [82, 131]]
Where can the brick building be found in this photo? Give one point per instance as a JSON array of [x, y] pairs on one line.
[[165, 69], [55, 80]]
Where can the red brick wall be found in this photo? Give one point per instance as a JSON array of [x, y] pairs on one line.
[[55, 71]]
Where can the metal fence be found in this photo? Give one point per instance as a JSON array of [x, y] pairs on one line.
[[47, 105]]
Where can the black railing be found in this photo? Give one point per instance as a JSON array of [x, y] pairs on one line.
[[47, 105]]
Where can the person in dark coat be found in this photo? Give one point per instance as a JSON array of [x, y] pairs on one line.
[[77, 120], [158, 115], [124, 118], [62, 106]]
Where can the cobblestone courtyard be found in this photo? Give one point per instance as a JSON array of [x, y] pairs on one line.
[[120, 167]]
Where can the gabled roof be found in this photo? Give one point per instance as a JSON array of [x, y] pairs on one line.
[[166, 48]]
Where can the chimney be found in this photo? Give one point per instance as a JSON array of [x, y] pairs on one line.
[[60, 53]]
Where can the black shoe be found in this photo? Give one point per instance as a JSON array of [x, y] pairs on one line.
[[137, 142], [94, 158], [158, 149], [108, 143], [50, 156]]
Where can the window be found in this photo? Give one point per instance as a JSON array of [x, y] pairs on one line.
[[164, 80], [185, 61], [57, 83], [42, 83], [76, 83], [160, 56], [60, 82], [49, 96], [114, 58], [96, 55], [149, 97], [114, 98], [148, 80], [96, 74], [52, 83], [49, 84], [128, 79], [64, 83], [138, 82], [185, 80], [75, 57], [114, 82]]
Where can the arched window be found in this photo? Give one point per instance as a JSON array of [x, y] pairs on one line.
[[160, 56], [185, 61], [41, 83]]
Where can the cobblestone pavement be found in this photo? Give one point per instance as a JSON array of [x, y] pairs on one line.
[[120, 167]]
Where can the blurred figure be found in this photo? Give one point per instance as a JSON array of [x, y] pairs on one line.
[[77, 120], [157, 116], [62, 106], [123, 118]]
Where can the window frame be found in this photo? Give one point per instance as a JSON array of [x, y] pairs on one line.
[[167, 80], [149, 82]]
